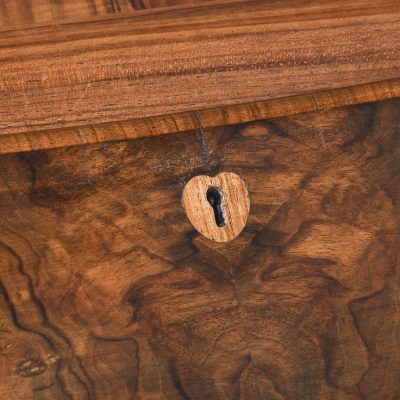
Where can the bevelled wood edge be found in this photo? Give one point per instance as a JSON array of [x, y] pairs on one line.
[[192, 58], [189, 121]]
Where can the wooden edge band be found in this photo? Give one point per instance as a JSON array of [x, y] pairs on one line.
[[189, 121]]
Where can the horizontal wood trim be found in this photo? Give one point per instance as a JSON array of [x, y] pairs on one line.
[[173, 61], [172, 123]]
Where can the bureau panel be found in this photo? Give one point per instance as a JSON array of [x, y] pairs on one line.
[[108, 292]]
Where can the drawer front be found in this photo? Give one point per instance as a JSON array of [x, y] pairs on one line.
[[108, 292]]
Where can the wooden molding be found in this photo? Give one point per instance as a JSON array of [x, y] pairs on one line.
[[145, 74], [189, 121]]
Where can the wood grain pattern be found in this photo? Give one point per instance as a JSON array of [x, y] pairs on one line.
[[184, 59], [17, 13], [234, 209], [189, 121], [107, 292]]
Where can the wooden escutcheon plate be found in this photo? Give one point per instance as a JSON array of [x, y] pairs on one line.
[[218, 206]]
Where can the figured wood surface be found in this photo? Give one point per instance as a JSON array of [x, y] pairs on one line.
[[183, 59], [235, 205], [107, 292]]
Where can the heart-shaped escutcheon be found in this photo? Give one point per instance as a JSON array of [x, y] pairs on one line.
[[217, 206]]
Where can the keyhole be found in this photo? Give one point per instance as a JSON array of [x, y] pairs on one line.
[[215, 197]]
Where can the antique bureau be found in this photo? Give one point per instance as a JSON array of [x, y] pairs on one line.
[[199, 200]]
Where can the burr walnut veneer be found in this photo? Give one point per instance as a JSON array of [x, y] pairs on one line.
[[113, 122]]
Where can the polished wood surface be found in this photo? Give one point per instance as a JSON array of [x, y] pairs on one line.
[[173, 60], [107, 292], [199, 119]]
